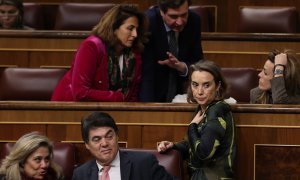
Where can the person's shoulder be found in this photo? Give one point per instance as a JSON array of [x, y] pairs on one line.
[[94, 42], [193, 16], [137, 155], [218, 108], [86, 166], [152, 12], [254, 92], [93, 38]]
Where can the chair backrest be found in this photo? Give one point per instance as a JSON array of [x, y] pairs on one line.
[[64, 155], [28, 83], [80, 16], [208, 15], [33, 15], [170, 160], [240, 81], [259, 19]]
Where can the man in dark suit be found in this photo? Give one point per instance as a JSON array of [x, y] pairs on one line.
[[100, 134], [164, 70]]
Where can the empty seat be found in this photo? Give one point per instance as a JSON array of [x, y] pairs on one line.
[[208, 17], [80, 16], [28, 83], [33, 15], [64, 155], [268, 19], [240, 81]]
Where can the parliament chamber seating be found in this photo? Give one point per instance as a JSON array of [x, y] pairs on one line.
[[33, 15], [240, 81], [260, 19], [80, 16], [64, 155], [208, 15], [28, 83]]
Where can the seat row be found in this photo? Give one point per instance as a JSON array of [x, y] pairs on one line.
[[83, 16], [39, 83], [65, 154]]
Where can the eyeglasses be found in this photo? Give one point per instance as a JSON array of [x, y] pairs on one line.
[[10, 13]]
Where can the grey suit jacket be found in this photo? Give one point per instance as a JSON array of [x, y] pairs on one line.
[[134, 166]]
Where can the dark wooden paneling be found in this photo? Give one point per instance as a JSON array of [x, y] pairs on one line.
[[277, 162], [32, 49], [142, 125]]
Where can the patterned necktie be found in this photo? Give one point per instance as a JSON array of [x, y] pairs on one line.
[[172, 83], [105, 175], [173, 46]]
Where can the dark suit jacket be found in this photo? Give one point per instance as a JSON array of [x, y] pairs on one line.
[[154, 85], [134, 166]]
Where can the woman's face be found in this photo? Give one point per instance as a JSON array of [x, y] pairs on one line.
[[127, 32], [265, 76], [37, 163], [203, 87], [8, 16]]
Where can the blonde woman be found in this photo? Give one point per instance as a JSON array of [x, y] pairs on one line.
[[31, 158]]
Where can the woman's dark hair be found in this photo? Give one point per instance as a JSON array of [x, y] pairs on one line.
[[19, 5], [114, 18], [215, 71]]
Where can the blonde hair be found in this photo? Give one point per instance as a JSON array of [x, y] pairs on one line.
[[12, 164]]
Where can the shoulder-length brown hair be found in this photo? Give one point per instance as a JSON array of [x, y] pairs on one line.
[[291, 74], [114, 18], [215, 71]]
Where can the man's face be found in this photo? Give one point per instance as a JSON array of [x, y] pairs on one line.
[[103, 144], [176, 19]]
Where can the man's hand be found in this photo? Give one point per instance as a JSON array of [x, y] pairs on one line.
[[174, 63]]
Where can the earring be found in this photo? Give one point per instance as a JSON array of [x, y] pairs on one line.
[[218, 94]]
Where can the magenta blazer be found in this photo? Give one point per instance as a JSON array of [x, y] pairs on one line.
[[87, 80]]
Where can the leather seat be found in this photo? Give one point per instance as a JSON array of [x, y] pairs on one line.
[[28, 83], [64, 155], [33, 15], [240, 81], [268, 19], [207, 15], [80, 16]]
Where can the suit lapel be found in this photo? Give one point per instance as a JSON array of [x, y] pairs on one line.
[[93, 171], [126, 165]]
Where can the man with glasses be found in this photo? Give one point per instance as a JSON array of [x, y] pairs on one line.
[[174, 44], [100, 135]]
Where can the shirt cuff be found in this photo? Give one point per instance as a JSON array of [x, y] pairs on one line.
[[186, 71]]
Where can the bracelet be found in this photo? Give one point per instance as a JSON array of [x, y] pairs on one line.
[[279, 65], [278, 72]]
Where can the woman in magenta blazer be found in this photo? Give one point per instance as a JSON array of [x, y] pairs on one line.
[[107, 65]]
